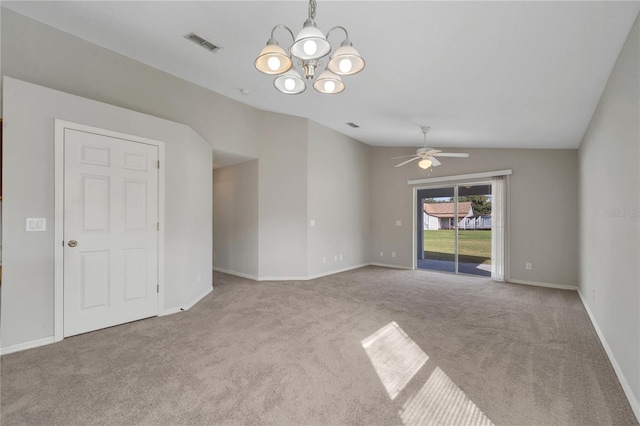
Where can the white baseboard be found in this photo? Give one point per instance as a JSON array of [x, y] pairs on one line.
[[27, 345], [385, 265], [289, 278], [237, 274], [633, 400], [170, 311], [276, 278], [549, 285], [48, 340], [202, 295], [336, 271], [187, 306]]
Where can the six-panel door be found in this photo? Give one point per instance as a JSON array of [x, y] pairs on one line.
[[110, 231]]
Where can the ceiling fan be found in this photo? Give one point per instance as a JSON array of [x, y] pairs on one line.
[[427, 156]]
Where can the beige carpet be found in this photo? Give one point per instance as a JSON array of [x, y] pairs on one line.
[[370, 346]]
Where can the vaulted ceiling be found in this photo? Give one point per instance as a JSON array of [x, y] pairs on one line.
[[481, 74]]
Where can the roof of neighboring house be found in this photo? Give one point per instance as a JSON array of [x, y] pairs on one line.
[[446, 209]]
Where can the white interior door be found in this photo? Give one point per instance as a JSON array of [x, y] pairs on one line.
[[110, 231]]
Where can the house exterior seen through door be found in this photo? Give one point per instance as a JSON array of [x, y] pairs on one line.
[[454, 225]]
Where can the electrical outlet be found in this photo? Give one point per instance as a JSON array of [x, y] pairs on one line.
[[340, 257], [324, 260], [335, 257], [381, 254], [528, 266], [312, 223], [199, 277], [393, 254], [398, 223]]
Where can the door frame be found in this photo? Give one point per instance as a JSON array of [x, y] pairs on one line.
[[454, 185], [470, 179], [58, 287]]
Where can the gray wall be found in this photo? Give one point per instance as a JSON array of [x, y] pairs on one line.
[[198, 216], [543, 207], [282, 197], [28, 191], [235, 218], [338, 201], [263, 209], [609, 225], [37, 53]]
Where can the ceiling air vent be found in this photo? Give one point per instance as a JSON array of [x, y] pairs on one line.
[[202, 42], [354, 125]]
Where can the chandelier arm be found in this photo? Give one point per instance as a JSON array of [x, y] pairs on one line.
[[338, 27], [286, 28]]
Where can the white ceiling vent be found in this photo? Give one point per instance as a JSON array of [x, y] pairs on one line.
[[202, 42]]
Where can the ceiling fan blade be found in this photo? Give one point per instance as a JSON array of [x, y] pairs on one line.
[[408, 161], [402, 156], [434, 161], [452, 154]]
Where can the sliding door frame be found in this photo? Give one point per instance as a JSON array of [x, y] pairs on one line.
[[467, 179], [455, 185]]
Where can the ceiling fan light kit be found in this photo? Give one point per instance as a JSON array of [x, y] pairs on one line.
[[309, 47], [425, 163], [427, 156]]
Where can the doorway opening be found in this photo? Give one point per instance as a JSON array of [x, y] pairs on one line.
[[454, 229]]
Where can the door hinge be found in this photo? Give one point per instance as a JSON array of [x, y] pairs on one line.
[[158, 288], [158, 226], [158, 163]]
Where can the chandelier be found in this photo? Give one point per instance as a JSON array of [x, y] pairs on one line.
[[309, 48]]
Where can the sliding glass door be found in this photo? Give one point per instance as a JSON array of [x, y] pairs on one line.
[[436, 233], [454, 229], [474, 230]]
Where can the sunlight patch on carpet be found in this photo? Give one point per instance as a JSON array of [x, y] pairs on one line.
[[395, 357], [441, 402]]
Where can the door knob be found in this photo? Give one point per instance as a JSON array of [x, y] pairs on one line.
[[73, 243]]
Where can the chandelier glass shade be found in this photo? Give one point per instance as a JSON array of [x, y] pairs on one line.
[[310, 43], [329, 83], [290, 83], [308, 49], [273, 60], [346, 60]]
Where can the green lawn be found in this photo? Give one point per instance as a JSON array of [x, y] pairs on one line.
[[474, 246]]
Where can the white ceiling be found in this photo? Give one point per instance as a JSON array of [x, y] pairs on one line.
[[481, 74]]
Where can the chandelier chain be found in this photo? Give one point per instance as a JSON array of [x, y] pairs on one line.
[[312, 9]]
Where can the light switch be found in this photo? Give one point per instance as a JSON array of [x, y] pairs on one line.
[[312, 223], [398, 223], [36, 224]]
